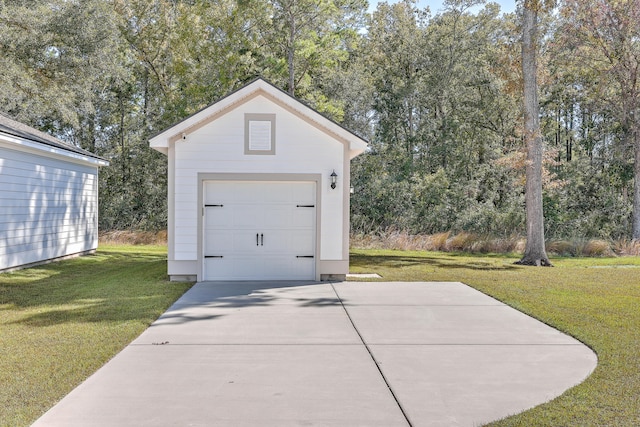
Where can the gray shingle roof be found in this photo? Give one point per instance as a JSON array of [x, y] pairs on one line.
[[12, 127]]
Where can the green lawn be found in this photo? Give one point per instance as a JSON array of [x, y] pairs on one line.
[[60, 322], [596, 300]]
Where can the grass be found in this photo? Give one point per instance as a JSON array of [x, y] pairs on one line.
[[596, 300], [60, 322]]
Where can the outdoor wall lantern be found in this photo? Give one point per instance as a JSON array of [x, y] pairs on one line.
[[334, 179]]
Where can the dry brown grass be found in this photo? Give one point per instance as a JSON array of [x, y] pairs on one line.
[[562, 248], [439, 241], [442, 242], [461, 242], [581, 247], [132, 237], [474, 243], [597, 248], [627, 247], [398, 240]]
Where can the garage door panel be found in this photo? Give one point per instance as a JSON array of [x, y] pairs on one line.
[[246, 215], [235, 267], [217, 217], [247, 267], [275, 242], [246, 242], [231, 242], [260, 231], [302, 242], [277, 216], [227, 192], [291, 268], [219, 192], [304, 193], [218, 268], [249, 192], [277, 192], [303, 218], [216, 242], [301, 266], [293, 242], [275, 266]]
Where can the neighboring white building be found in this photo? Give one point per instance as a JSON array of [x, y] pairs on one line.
[[48, 197], [251, 194]]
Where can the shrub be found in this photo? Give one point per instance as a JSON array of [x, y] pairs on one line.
[[596, 247], [562, 248], [438, 241], [489, 244], [627, 247], [461, 241]]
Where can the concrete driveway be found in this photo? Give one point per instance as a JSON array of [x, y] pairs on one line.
[[329, 354]]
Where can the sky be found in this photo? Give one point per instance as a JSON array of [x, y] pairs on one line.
[[506, 6]]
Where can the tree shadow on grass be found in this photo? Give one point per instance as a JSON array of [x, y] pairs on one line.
[[106, 287], [114, 286], [448, 261]]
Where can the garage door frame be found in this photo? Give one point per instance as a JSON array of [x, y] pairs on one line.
[[256, 177]]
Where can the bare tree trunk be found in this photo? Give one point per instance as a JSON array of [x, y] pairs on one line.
[[535, 252]]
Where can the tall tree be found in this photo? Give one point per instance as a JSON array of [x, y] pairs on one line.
[[535, 251], [604, 40], [55, 55], [304, 42], [440, 119]]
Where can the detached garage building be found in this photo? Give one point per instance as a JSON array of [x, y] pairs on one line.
[[258, 190], [48, 197]]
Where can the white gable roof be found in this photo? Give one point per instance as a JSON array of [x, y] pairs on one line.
[[258, 87]]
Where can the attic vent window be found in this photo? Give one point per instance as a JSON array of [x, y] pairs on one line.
[[260, 134]]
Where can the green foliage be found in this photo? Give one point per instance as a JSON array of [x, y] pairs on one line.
[[442, 119], [437, 95], [55, 54], [590, 204], [446, 151]]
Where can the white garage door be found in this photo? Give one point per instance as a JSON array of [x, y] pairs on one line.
[[259, 230]]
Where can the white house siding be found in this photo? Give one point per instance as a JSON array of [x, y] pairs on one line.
[[48, 208], [218, 147]]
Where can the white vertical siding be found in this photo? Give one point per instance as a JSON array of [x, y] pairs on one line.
[[48, 208], [218, 147]]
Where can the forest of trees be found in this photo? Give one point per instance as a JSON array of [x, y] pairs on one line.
[[437, 94]]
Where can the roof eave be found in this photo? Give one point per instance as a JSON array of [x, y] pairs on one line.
[[43, 148]]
